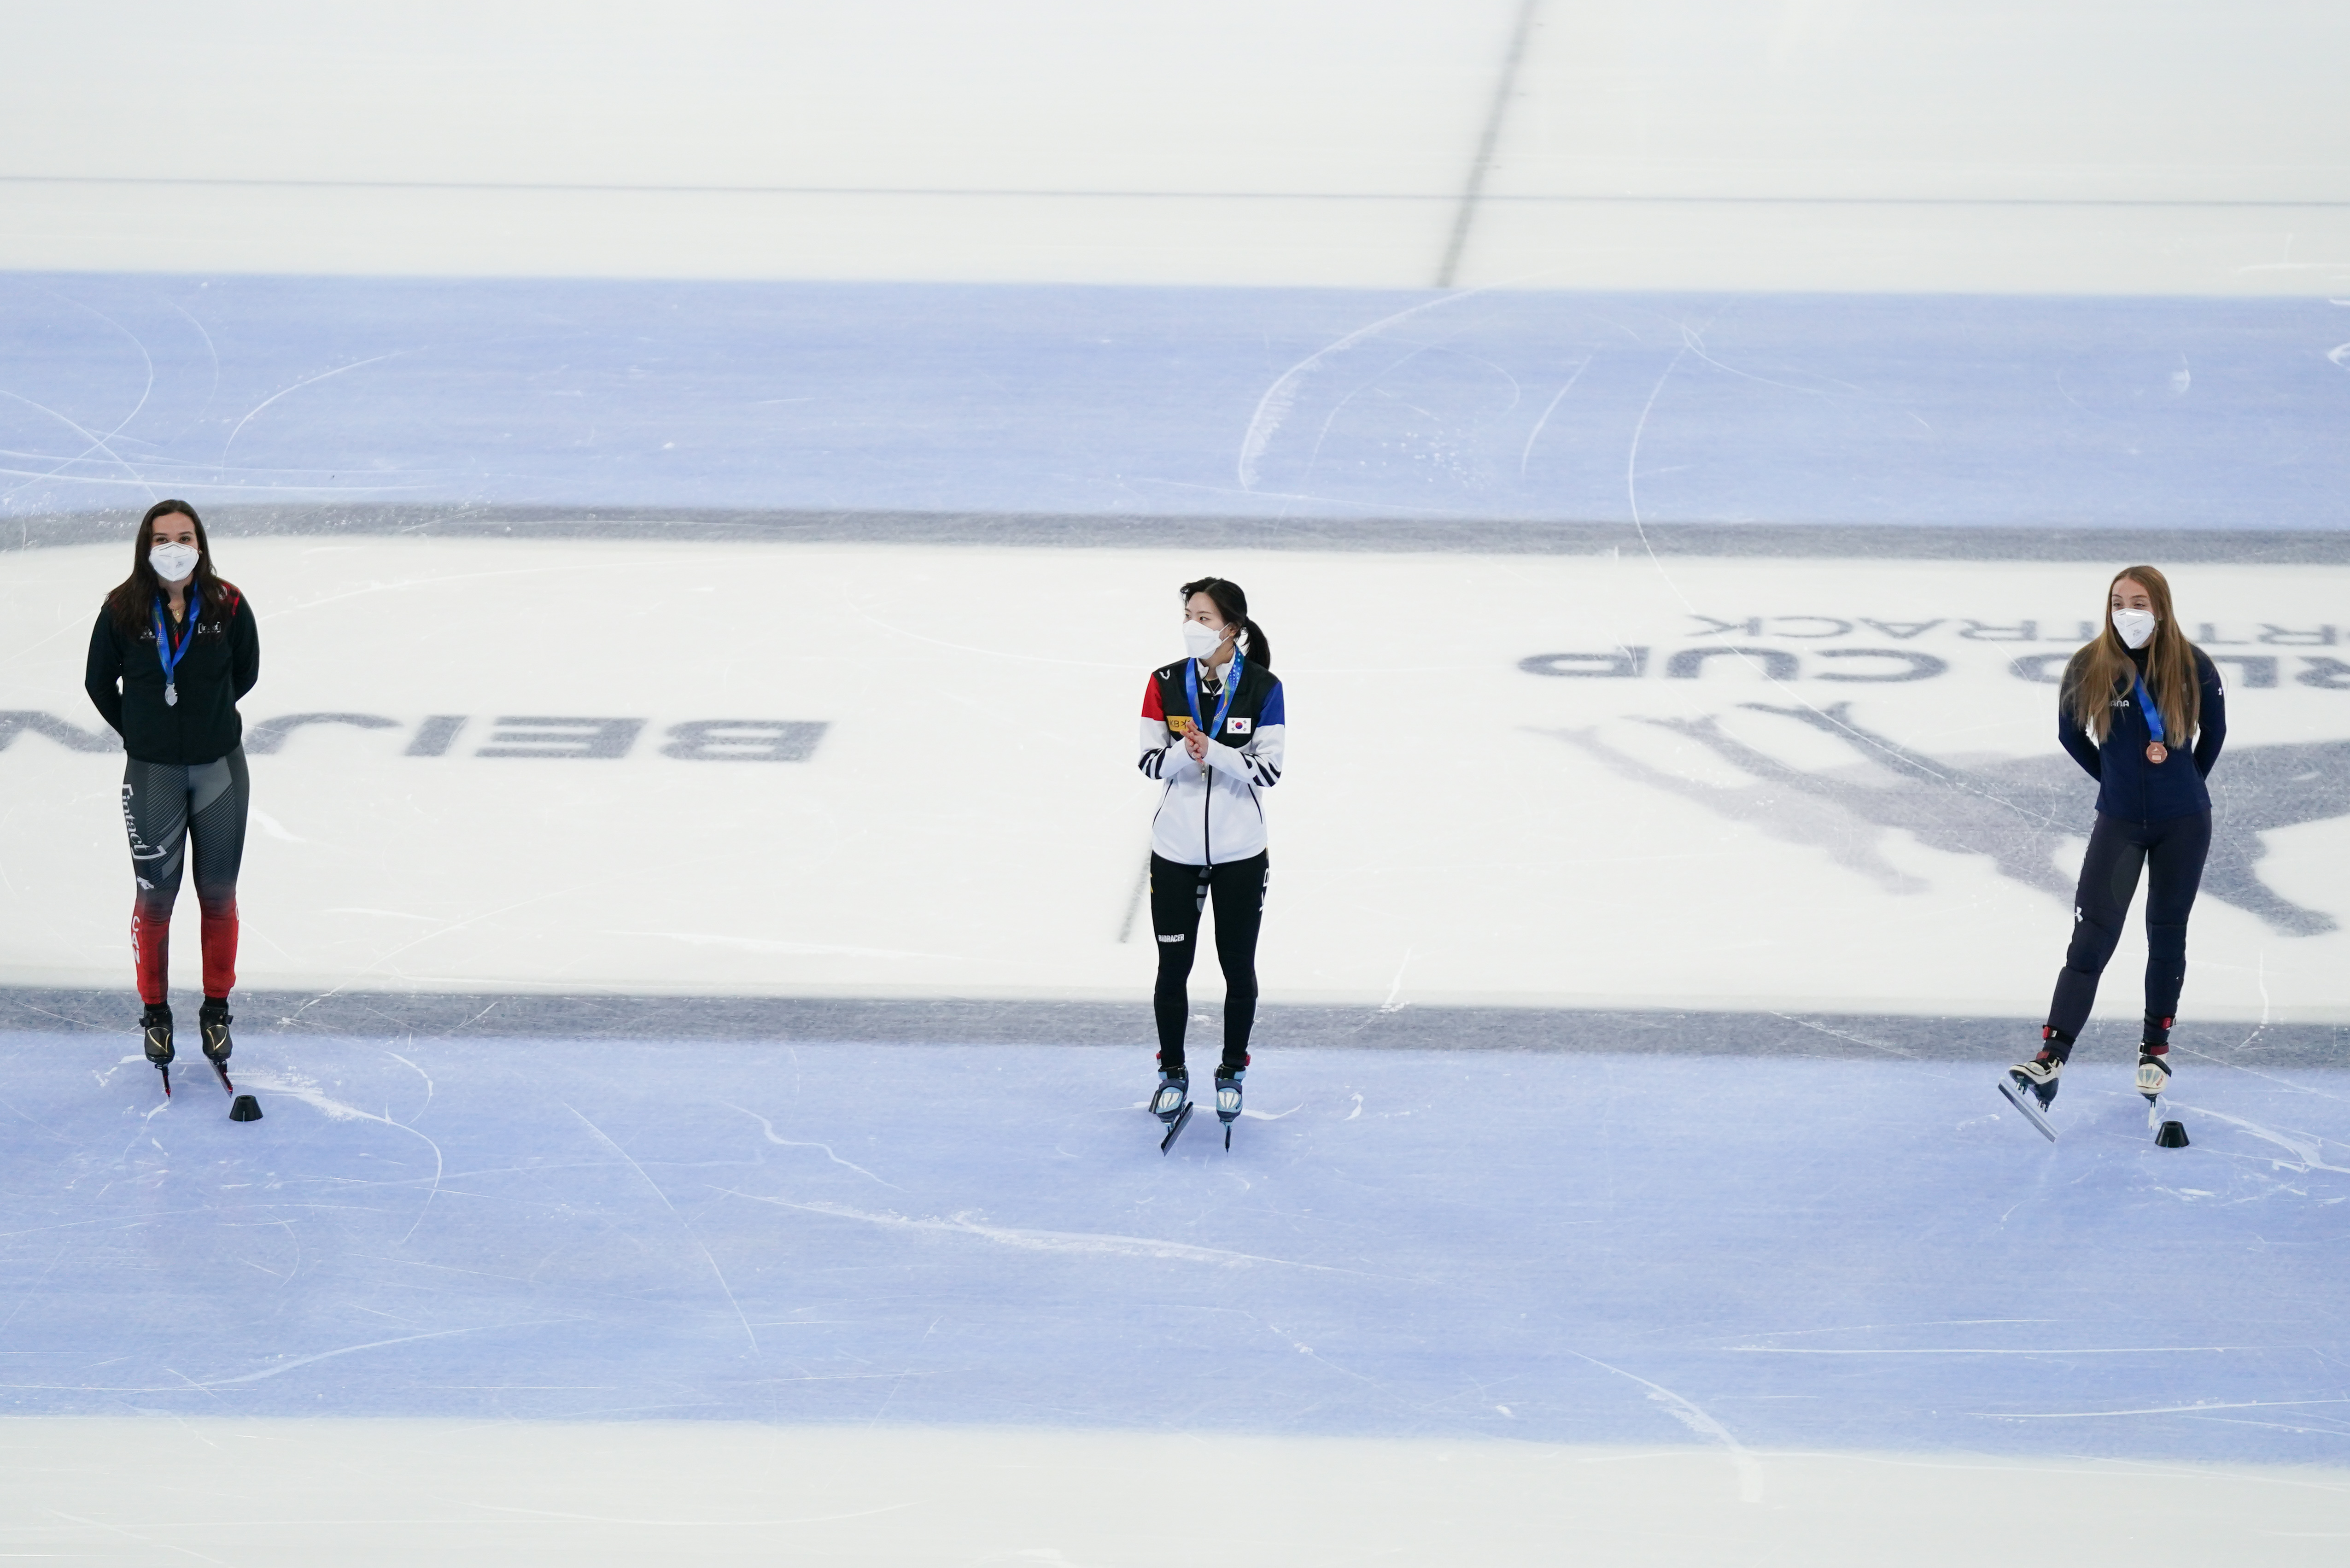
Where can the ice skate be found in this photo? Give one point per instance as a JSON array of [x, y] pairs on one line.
[[1173, 1094], [2153, 1078], [1172, 1104], [2031, 1086], [1228, 1095], [1228, 1100], [2038, 1077], [155, 1031], [213, 1021]]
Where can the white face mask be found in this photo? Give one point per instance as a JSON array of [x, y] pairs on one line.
[[172, 562], [1201, 641], [2135, 627]]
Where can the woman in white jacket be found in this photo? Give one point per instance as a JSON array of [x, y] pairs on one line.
[[1213, 731]]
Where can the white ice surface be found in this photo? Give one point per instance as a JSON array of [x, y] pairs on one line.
[[1451, 828], [257, 1493], [2071, 147]]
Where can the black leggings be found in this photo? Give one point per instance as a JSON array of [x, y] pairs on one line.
[[2173, 852], [1179, 893], [164, 805]]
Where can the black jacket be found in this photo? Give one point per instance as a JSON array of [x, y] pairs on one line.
[[2131, 788], [125, 681]]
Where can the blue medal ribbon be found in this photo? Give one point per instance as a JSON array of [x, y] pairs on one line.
[[1191, 693], [2156, 752], [169, 653], [2145, 705]]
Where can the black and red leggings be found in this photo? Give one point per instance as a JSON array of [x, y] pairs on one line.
[[164, 808]]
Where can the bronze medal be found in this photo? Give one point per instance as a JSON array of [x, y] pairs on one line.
[[2156, 753]]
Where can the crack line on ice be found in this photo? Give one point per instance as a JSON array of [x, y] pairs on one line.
[[1057, 1240], [338, 1111], [1274, 408], [769, 1129], [716, 1273], [2060, 1352], [1526, 455], [1750, 1469], [2149, 1410], [210, 1383], [2309, 1147], [1840, 1034], [296, 386]]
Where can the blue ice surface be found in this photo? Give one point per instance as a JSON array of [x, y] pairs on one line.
[[1936, 410], [1562, 1248]]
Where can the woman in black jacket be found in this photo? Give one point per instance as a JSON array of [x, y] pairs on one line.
[[174, 650], [2142, 710]]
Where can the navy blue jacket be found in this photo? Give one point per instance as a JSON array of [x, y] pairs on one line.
[[125, 682], [2131, 788]]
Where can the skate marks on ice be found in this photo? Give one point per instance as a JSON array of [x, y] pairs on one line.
[[1047, 1240], [1477, 417], [1543, 1249], [2020, 812], [1339, 535]]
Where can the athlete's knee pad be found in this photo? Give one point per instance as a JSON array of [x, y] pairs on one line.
[[2092, 945], [2166, 969]]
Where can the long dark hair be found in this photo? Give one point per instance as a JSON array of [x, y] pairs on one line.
[[2103, 668], [1231, 604], [133, 602]]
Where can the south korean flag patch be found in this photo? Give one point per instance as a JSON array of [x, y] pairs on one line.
[[1239, 726]]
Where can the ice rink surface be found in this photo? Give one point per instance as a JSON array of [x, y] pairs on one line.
[[1518, 1246], [1514, 1255], [1266, 404], [712, 485], [765, 768]]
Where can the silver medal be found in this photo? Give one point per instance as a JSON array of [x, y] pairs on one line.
[[170, 696]]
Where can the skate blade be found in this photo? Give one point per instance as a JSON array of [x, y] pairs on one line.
[[2032, 1112], [1175, 1129], [2154, 1113]]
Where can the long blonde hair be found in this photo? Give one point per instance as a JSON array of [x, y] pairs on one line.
[[2103, 669]]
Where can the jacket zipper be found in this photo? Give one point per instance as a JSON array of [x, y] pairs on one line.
[[1207, 800]]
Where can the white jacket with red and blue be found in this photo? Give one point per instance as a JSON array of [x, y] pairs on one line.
[[1212, 814]]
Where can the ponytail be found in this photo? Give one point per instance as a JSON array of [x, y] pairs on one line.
[[1256, 647], [1232, 605]]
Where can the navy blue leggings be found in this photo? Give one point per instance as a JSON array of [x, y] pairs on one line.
[[2172, 852]]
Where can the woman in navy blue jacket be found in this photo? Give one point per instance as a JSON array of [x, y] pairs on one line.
[[2143, 712]]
